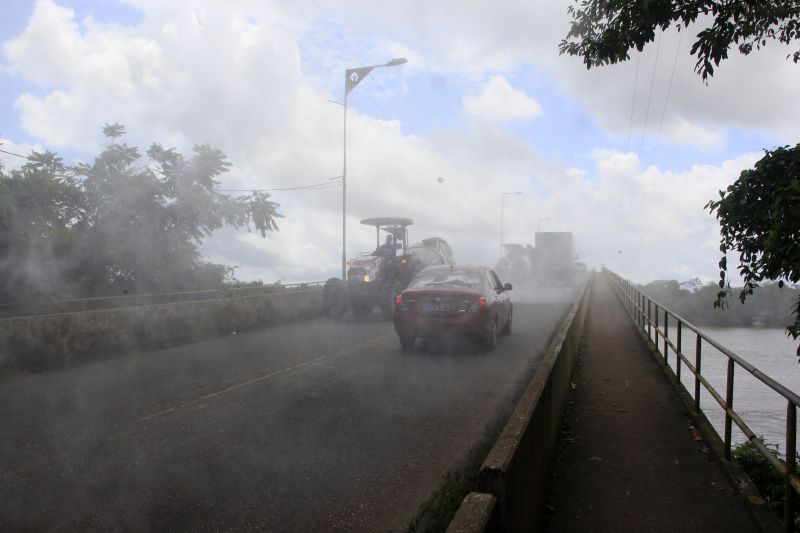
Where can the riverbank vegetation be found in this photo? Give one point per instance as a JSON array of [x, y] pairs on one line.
[[768, 481], [770, 306]]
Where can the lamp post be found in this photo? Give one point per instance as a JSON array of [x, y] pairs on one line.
[[502, 202], [352, 77], [539, 222]]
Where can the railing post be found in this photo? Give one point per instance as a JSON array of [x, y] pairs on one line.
[[649, 335], [641, 311], [791, 466], [666, 336], [655, 340], [678, 354], [728, 407], [628, 296], [697, 360]]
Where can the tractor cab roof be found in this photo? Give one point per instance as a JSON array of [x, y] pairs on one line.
[[396, 226], [387, 221]]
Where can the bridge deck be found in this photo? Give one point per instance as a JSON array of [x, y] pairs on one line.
[[629, 459]]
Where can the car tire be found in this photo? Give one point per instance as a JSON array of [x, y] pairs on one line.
[[407, 342], [507, 328], [490, 341]]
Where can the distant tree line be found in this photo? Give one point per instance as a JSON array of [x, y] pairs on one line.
[[122, 224], [770, 306]]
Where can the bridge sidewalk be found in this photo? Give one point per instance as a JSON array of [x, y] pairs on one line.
[[628, 460]]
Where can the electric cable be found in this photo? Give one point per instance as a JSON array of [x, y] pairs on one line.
[[666, 100], [650, 97]]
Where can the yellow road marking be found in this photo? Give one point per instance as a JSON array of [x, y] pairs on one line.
[[329, 356]]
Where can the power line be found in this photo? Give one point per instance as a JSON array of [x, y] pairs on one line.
[[323, 185], [317, 186], [33, 159], [633, 103], [666, 100], [650, 97]]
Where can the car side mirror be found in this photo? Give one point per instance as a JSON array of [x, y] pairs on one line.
[[507, 287]]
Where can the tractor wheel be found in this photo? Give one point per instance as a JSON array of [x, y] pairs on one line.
[[334, 298], [361, 308]]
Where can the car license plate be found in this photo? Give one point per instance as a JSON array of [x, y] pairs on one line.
[[435, 307]]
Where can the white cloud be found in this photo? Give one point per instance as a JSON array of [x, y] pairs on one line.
[[232, 75], [500, 102], [684, 132], [754, 93]]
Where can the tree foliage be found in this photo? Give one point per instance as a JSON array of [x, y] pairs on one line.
[[122, 223], [759, 217], [604, 31], [41, 204]]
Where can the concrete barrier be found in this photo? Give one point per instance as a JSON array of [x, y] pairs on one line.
[[475, 514], [41, 342], [518, 467]]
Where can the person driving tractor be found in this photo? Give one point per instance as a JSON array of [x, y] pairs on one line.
[[387, 249]]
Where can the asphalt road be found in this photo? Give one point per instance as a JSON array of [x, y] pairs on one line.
[[312, 426]]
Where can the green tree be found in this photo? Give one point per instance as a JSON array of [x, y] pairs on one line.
[[113, 131], [604, 31], [125, 222], [145, 222], [41, 206], [760, 213], [759, 217]]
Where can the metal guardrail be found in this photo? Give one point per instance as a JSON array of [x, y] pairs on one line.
[[646, 312], [97, 303]]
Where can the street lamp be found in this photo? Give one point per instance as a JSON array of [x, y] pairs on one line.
[[538, 223], [352, 77], [502, 202]]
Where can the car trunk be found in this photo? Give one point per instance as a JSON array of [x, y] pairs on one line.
[[440, 302]]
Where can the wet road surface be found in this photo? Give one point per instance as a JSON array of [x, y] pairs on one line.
[[318, 425]]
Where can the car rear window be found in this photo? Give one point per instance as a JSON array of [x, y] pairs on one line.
[[469, 279]]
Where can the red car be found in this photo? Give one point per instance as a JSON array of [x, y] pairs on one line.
[[468, 301]]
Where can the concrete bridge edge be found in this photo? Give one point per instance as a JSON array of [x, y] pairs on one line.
[[511, 487]]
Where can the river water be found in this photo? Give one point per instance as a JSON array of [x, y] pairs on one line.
[[769, 350]]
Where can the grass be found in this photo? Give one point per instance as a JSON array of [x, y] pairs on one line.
[[768, 481]]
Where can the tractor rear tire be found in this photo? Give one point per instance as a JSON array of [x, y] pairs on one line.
[[334, 298], [387, 303], [361, 308]]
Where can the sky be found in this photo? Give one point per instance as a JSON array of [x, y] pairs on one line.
[[624, 156]]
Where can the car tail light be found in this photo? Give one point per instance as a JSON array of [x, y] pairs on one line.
[[400, 305], [477, 305]]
